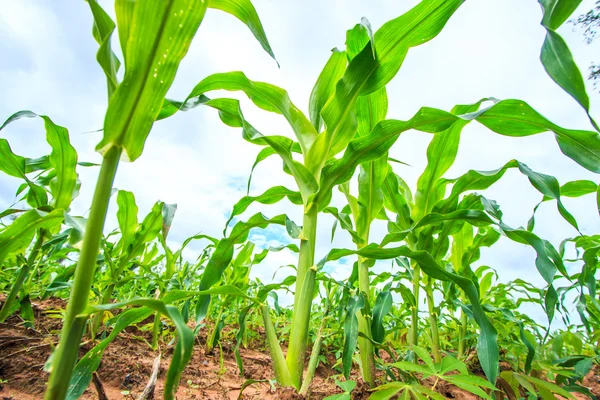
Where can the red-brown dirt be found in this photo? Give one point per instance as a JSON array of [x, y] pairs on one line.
[[127, 365]]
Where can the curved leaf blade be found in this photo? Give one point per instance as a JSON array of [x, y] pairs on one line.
[[245, 12], [154, 43]]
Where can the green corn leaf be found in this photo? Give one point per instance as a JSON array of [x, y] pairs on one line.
[[146, 232], [18, 115], [345, 222], [264, 291], [487, 345], [325, 86], [239, 337], [260, 157], [292, 229], [77, 229], [263, 155], [127, 213], [10, 211], [231, 114], [223, 255], [89, 363], [548, 261], [358, 37], [577, 188], [547, 185], [375, 145], [556, 12], [170, 107], [517, 118], [26, 311], [556, 56], [370, 110], [245, 12], [355, 304], [124, 10], [365, 74], [370, 195], [263, 95], [63, 159], [473, 217], [441, 154], [103, 29], [559, 64], [37, 196], [11, 163], [397, 198], [183, 349], [173, 296], [550, 188], [530, 346], [383, 305], [461, 241], [155, 37], [270, 196], [570, 189], [407, 295], [38, 164], [18, 235], [187, 241], [598, 198]]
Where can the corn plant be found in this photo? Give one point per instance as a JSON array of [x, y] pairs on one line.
[[55, 175], [361, 73], [131, 245]]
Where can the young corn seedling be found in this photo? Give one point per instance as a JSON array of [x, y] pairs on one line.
[[133, 242], [465, 250], [55, 176]]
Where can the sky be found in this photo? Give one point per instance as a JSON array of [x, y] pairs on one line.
[[489, 48]]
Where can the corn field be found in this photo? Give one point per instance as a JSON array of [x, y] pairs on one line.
[[113, 302]]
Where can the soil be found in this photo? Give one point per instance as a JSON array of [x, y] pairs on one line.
[[127, 366]]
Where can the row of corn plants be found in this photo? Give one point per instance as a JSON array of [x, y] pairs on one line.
[[435, 313]]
